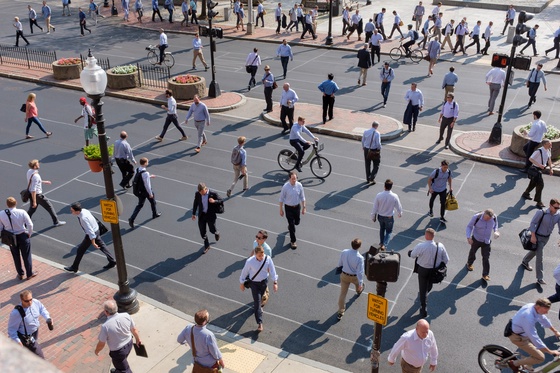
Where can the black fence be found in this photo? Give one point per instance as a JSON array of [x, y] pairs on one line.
[[102, 62], [153, 76], [29, 58]]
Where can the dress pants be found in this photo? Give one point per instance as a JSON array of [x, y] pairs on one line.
[[119, 358], [257, 291], [286, 111], [533, 43], [328, 106], [85, 244], [127, 171], [345, 281], [459, 43], [535, 356], [375, 51], [301, 147], [22, 251], [541, 242], [486, 46], [529, 149], [476, 40], [141, 201], [284, 60], [154, 12], [34, 22], [162, 49], [409, 368], [171, 118], [424, 285], [203, 219], [293, 217], [236, 173], [371, 172], [199, 125], [20, 34], [446, 123], [494, 92], [46, 204], [268, 98], [485, 252], [533, 88], [536, 183]]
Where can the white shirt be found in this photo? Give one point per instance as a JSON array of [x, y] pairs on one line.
[[171, 106], [36, 183], [537, 131], [86, 112], [415, 97], [496, 75], [414, 350], [116, 331], [426, 251], [536, 156], [385, 204], [88, 223], [253, 59], [162, 39], [21, 221], [251, 267]]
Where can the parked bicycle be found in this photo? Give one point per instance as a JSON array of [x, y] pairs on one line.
[[153, 56], [320, 166], [399, 52], [494, 358]]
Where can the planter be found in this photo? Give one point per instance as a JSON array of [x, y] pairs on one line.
[[518, 141], [95, 165], [187, 91], [123, 81], [66, 72]]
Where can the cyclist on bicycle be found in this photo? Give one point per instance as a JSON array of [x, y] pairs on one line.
[[162, 46], [298, 141], [413, 35]]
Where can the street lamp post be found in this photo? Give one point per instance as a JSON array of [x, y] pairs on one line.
[[214, 88], [329, 40], [94, 81]]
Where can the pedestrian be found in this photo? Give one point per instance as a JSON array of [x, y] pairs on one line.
[[351, 263], [193, 9], [384, 206], [427, 253], [35, 188], [185, 11], [412, 35], [256, 271], [475, 35], [449, 81], [162, 46], [169, 6], [278, 16], [396, 24], [260, 14], [287, 103], [532, 41], [486, 36], [375, 43], [425, 32], [482, 226], [206, 203], [301, 16], [116, 332], [379, 23], [364, 63], [314, 16], [18, 222], [328, 88], [447, 33], [447, 118], [197, 52], [436, 28], [368, 29], [437, 186], [556, 296], [143, 190], [239, 162], [415, 104], [202, 342], [82, 17], [66, 7], [126, 6], [155, 10], [434, 49], [90, 226], [418, 14], [298, 141], [23, 323], [533, 82], [292, 198], [535, 136], [93, 10], [387, 74], [495, 78], [201, 117], [510, 17], [526, 337], [33, 18], [356, 20], [19, 31], [309, 26], [125, 160], [284, 51], [415, 347], [32, 116], [252, 64], [46, 12], [241, 16], [293, 19], [556, 42], [268, 82], [345, 20], [437, 9], [541, 159], [171, 117], [460, 31], [90, 127], [236, 5], [371, 140]]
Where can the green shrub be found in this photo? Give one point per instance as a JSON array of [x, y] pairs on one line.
[[552, 133], [128, 69], [93, 152]]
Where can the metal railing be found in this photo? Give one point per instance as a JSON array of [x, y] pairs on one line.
[[153, 76], [23, 56], [102, 62]]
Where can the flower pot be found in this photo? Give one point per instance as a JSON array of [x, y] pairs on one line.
[[518, 141], [95, 165], [66, 72], [123, 81], [187, 91]]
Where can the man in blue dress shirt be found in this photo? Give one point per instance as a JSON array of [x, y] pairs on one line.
[[352, 263], [371, 139], [292, 198], [328, 88], [384, 206], [287, 101], [298, 141], [415, 103], [447, 118]]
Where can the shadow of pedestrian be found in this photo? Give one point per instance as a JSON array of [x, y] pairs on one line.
[[304, 338], [333, 200], [164, 268]]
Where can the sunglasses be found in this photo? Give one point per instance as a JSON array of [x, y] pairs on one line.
[[27, 300]]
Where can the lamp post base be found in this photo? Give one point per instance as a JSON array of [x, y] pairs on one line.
[[214, 89], [329, 40], [249, 28], [127, 302], [496, 134]]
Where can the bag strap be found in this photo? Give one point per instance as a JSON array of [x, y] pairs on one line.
[[437, 251], [257, 56], [259, 271], [33, 174], [540, 221], [193, 348], [372, 137], [22, 314], [9, 215]]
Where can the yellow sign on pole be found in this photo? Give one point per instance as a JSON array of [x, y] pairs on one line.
[[377, 309], [109, 211]]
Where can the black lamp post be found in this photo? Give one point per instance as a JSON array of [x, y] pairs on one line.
[[329, 40], [214, 87], [94, 81]]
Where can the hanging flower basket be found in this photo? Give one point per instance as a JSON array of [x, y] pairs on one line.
[[184, 87], [67, 68], [92, 154]]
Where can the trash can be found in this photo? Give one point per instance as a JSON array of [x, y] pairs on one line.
[[510, 34]]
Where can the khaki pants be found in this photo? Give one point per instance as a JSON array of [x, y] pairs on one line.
[[48, 23], [448, 89], [407, 368], [198, 53], [345, 281], [446, 41], [363, 75], [524, 343], [236, 172]]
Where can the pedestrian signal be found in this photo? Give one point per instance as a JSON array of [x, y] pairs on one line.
[[204, 30], [500, 60]]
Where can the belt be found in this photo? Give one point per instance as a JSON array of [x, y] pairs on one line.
[[450, 85], [294, 206], [203, 120], [347, 274], [542, 235]]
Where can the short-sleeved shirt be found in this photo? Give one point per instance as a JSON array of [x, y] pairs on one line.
[[116, 331], [439, 183]]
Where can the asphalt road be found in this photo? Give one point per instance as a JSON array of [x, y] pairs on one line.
[[164, 256]]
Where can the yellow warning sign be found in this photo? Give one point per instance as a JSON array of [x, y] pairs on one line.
[[377, 309], [109, 211]]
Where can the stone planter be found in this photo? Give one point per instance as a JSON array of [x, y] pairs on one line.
[[187, 91], [66, 72], [123, 81], [518, 141]]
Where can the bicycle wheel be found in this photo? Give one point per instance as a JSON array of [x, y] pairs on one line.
[[416, 56], [320, 167], [169, 60], [395, 54], [287, 159], [153, 57], [491, 357]]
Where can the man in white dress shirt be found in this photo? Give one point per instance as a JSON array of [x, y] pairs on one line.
[[384, 206], [415, 346]]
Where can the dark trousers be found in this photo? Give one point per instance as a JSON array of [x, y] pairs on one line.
[[162, 49], [293, 216], [85, 244], [533, 43], [371, 173], [119, 358], [345, 26], [253, 72], [33, 22], [301, 147], [407, 46], [476, 40], [257, 290], [385, 88], [284, 60], [193, 18], [442, 196], [424, 285], [486, 46], [459, 43], [533, 88], [536, 183], [141, 201], [308, 28], [395, 27], [529, 148], [293, 24], [368, 35], [22, 251], [328, 106], [381, 30], [206, 219], [35, 347], [375, 51], [170, 11], [154, 12], [127, 171], [302, 21], [261, 16], [446, 123], [171, 118], [83, 27], [287, 112], [279, 22], [18, 35], [555, 47], [268, 98], [411, 115], [485, 255], [46, 204], [510, 22], [556, 297]]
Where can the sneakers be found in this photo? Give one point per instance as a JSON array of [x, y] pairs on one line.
[[59, 223], [339, 316], [228, 193], [158, 138], [541, 282], [470, 267], [526, 266], [443, 220], [156, 215], [49, 134]]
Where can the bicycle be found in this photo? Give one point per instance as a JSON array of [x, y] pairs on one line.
[[492, 358], [397, 53], [320, 166], [153, 56]]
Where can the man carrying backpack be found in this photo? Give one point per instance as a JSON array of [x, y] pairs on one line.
[[413, 36], [480, 229], [239, 162], [437, 184], [142, 188]]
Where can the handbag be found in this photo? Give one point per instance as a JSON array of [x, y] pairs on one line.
[[401, 23], [414, 18], [102, 228], [247, 282], [274, 85], [439, 272], [23, 108], [197, 368], [427, 57], [338, 270], [451, 202], [525, 236], [508, 330], [373, 154], [534, 172], [190, 12], [26, 194], [7, 237], [248, 68], [26, 339]]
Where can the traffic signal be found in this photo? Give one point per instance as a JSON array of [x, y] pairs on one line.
[[500, 60], [211, 6], [522, 63], [524, 16], [219, 33], [204, 30]]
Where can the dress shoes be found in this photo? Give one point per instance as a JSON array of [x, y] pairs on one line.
[[70, 269], [157, 215], [110, 265]]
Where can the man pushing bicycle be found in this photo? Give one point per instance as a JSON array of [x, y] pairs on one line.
[[298, 141]]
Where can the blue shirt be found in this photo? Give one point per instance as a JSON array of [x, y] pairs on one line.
[[207, 350], [289, 95], [265, 246], [155, 4], [199, 112], [328, 87], [547, 224], [523, 323], [193, 5], [46, 10], [439, 183], [450, 109], [197, 44], [415, 97], [296, 130], [82, 15], [535, 76], [352, 263], [292, 195], [369, 27], [123, 150], [285, 51], [387, 74], [31, 318], [371, 139], [450, 79], [268, 79], [481, 230]]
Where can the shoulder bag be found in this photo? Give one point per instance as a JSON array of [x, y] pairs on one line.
[[373, 154], [26, 339], [249, 68], [26, 194], [247, 282], [197, 368], [439, 272], [102, 228], [525, 236], [7, 237], [534, 172]]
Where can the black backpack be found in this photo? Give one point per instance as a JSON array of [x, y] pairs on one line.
[[138, 187], [415, 35]]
